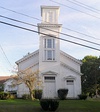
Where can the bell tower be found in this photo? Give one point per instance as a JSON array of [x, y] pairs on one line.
[[49, 46], [50, 14]]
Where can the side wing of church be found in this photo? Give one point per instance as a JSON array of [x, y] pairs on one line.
[[57, 69]]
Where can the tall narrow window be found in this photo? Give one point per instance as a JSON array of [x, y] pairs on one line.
[[45, 55], [49, 55], [53, 43], [49, 49], [53, 54], [49, 43], [44, 43]]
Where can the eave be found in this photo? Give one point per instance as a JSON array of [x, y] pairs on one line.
[[27, 57], [70, 57], [72, 69]]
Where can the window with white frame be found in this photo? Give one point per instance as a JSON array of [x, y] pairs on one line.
[[70, 82], [49, 49], [49, 54], [49, 78], [49, 43]]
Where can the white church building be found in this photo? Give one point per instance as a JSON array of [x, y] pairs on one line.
[[57, 69]]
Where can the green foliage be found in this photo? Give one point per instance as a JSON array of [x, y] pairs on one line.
[[54, 104], [4, 95], [25, 96], [1, 87], [82, 97], [91, 74], [44, 104], [12, 96], [37, 94], [91, 93], [49, 104], [62, 93]]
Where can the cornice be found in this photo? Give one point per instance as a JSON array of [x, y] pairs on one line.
[[27, 57], [72, 69], [49, 73], [48, 25], [49, 7], [70, 57]]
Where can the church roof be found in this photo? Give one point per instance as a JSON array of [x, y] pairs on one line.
[[70, 68], [29, 55], [71, 57], [3, 79]]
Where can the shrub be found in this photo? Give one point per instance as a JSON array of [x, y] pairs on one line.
[[98, 91], [12, 96], [44, 104], [1, 87], [53, 105], [37, 94], [82, 97], [91, 94], [62, 93], [25, 96], [4, 95], [49, 104]]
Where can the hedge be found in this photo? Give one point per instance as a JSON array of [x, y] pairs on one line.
[[49, 104], [62, 93]]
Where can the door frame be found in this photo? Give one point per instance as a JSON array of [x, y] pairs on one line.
[[70, 78], [49, 74]]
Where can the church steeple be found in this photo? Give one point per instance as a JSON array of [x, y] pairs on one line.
[[49, 46]]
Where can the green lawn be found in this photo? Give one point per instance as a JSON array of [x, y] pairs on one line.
[[65, 106]]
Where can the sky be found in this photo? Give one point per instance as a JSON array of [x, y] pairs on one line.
[[76, 19]]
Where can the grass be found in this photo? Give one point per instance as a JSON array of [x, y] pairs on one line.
[[79, 106], [19, 105]]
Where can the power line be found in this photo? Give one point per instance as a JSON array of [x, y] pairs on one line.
[[75, 9], [48, 35], [50, 30], [81, 33], [87, 5], [76, 3], [19, 13], [48, 22], [5, 55]]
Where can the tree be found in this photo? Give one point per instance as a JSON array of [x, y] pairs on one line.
[[91, 74], [31, 79]]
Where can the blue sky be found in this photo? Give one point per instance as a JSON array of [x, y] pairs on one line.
[[16, 43]]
